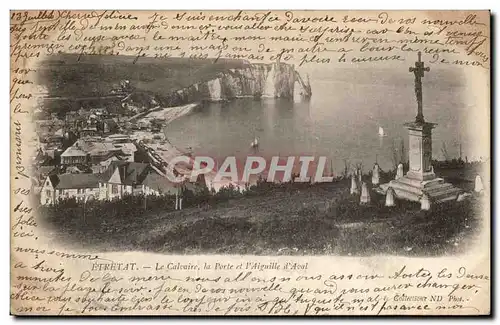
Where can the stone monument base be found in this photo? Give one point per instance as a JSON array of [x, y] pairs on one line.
[[412, 189]]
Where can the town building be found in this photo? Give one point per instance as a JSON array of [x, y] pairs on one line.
[[89, 131], [119, 180], [125, 178], [93, 150], [100, 166], [108, 126], [64, 186], [75, 155], [156, 184], [99, 112]]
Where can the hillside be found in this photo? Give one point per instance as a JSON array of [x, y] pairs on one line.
[[69, 75], [286, 219], [173, 81]]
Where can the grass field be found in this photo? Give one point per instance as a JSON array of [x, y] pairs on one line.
[[319, 219]]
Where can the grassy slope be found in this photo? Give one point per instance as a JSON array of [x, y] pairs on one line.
[[95, 75], [323, 219]]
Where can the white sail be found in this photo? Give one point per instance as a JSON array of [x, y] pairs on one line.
[[254, 143], [381, 132]]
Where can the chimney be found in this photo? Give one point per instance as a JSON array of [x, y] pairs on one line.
[[123, 172]]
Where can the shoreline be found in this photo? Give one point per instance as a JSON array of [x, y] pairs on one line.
[[169, 113], [159, 148]]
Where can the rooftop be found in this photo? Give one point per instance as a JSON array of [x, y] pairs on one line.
[[158, 183], [72, 181], [131, 173], [73, 151], [95, 147]]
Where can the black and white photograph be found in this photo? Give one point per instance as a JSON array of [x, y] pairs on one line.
[[398, 173], [271, 162]]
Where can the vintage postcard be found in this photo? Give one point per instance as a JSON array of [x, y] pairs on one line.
[[250, 162]]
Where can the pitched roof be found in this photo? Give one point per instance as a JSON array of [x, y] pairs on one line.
[[73, 151], [44, 170], [59, 133], [158, 183], [109, 155], [71, 181], [125, 147], [74, 170], [131, 173], [99, 148]]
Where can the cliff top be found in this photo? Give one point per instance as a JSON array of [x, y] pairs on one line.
[[68, 75]]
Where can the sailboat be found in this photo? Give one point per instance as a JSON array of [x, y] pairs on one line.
[[255, 143], [381, 132]]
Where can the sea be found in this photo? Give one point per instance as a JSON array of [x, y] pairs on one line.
[[340, 121]]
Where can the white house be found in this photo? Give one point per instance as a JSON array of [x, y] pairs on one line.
[[79, 186], [121, 178], [74, 155], [94, 150]]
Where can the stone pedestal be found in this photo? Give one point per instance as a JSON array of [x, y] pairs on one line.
[[420, 150], [411, 189], [420, 180]]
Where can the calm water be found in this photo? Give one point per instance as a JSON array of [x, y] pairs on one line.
[[340, 121]]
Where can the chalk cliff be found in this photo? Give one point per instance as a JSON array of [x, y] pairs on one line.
[[73, 81], [277, 80]]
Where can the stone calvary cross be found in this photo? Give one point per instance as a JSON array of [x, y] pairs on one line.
[[418, 71], [420, 184]]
